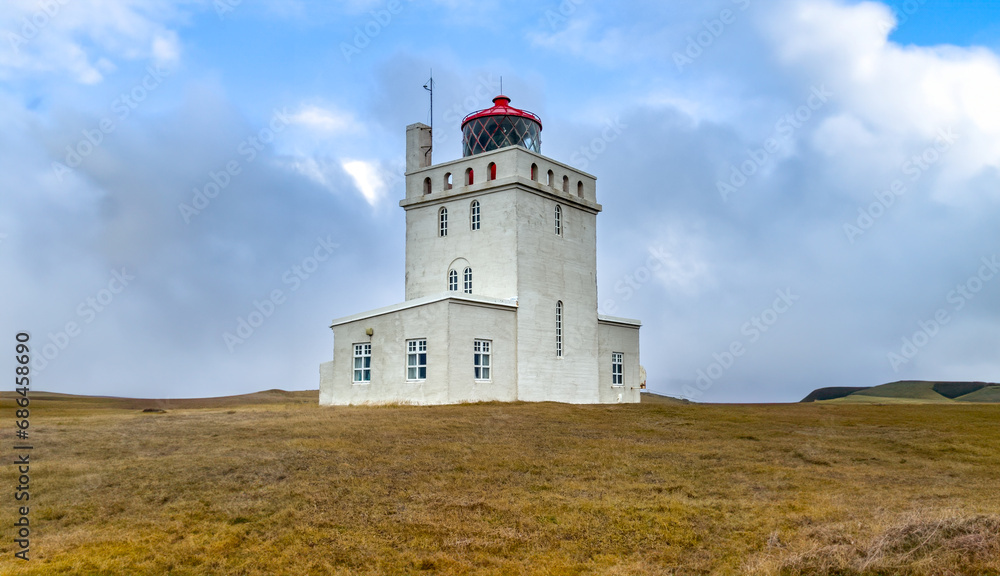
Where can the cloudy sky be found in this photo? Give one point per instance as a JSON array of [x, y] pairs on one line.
[[797, 193]]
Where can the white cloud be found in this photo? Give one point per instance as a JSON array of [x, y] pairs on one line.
[[367, 178], [325, 120], [81, 38]]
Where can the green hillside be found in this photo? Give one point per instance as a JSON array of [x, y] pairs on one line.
[[909, 389], [910, 392], [990, 393]]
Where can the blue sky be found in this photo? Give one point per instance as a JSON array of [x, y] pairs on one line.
[[818, 180]]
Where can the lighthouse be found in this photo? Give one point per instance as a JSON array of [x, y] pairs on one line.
[[501, 283]]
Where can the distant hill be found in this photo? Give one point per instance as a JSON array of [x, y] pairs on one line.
[[272, 396], [909, 392], [832, 393]]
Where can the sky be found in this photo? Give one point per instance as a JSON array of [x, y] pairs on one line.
[[796, 193]]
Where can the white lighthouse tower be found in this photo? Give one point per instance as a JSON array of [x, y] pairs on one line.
[[501, 283]]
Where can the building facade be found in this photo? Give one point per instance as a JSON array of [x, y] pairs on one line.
[[501, 284]]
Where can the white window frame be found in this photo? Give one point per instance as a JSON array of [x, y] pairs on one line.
[[617, 369], [482, 360], [416, 350], [362, 356], [467, 280], [559, 329], [475, 214], [453, 280], [443, 222], [558, 220]]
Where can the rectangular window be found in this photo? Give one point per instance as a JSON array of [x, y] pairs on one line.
[[416, 359], [481, 358], [362, 363], [617, 372]]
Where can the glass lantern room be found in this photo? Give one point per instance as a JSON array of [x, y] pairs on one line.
[[500, 126]]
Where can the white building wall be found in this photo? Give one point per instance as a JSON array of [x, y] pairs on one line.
[[624, 338], [553, 268], [489, 251], [449, 326], [467, 323]]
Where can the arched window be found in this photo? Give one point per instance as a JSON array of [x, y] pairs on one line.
[[474, 214], [467, 284], [579, 189], [558, 220], [491, 171], [550, 179], [453, 280], [447, 181], [566, 184], [427, 185], [443, 222], [470, 177], [534, 172], [559, 328]]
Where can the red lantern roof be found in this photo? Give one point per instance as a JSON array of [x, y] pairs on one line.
[[502, 107]]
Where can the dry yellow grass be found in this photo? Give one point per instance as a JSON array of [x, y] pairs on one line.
[[284, 486]]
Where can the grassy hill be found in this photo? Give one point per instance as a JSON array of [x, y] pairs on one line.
[[274, 484], [909, 392]]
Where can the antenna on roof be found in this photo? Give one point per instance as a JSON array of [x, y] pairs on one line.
[[429, 86], [501, 84]]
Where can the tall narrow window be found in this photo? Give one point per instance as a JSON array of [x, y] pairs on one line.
[[416, 359], [453, 280], [566, 184], [474, 213], [491, 171], [558, 220], [550, 179], [481, 358], [427, 185], [617, 372], [447, 181], [362, 363], [467, 284], [559, 327], [470, 177], [579, 188], [443, 222], [534, 172]]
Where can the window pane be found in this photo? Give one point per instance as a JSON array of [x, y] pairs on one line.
[[423, 372], [486, 373]]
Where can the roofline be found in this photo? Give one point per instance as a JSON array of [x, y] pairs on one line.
[[630, 322], [466, 299]]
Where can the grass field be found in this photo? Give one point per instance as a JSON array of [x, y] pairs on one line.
[[274, 484]]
